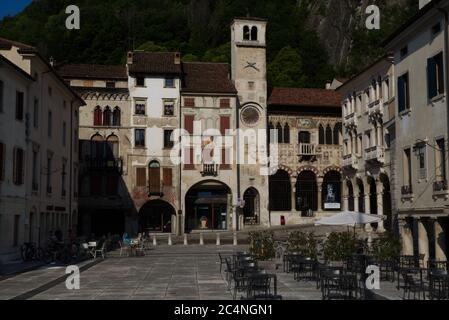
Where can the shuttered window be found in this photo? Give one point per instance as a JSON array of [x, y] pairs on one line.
[[225, 124], [225, 159], [19, 105], [188, 159], [435, 76], [188, 123], [154, 177], [141, 177], [18, 166], [403, 93], [168, 177]]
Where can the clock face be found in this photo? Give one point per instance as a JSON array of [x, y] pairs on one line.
[[250, 116]]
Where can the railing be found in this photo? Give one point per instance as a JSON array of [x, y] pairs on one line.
[[375, 107], [307, 149], [350, 160], [439, 186], [103, 164], [375, 153], [406, 190], [351, 120], [209, 170]]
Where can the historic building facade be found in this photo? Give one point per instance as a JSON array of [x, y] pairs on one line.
[[420, 50], [368, 161], [305, 124], [38, 149]]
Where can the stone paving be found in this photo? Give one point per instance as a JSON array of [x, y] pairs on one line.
[[166, 273]]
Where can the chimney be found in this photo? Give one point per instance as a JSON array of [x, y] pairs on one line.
[[177, 58], [423, 3], [52, 61], [130, 57], [328, 85]]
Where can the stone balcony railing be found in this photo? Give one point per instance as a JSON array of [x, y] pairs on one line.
[[350, 120], [375, 153], [350, 161], [209, 170], [375, 108], [307, 149], [406, 190]]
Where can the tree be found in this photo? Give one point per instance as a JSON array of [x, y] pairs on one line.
[[286, 69]]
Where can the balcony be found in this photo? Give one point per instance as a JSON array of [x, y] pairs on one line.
[[440, 189], [95, 164], [209, 170], [351, 121], [375, 108], [406, 191], [307, 152], [351, 161], [375, 154]]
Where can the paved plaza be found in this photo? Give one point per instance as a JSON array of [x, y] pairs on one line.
[[165, 273]]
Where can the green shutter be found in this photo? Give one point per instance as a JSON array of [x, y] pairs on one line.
[[431, 78]]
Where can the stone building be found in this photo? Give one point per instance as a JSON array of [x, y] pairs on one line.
[[38, 149], [368, 153], [420, 49], [306, 126]]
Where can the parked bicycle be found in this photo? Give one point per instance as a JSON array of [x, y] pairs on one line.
[[30, 252]]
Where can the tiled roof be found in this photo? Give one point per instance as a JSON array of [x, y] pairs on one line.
[[155, 63], [16, 68], [6, 44], [202, 77], [92, 71], [304, 97]]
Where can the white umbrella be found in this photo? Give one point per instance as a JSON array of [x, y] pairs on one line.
[[347, 218]]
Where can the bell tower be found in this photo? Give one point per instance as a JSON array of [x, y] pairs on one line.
[[249, 74]]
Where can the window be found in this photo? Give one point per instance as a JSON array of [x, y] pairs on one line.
[[225, 103], [188, 123], [286, 133], [189, 163], [246, 33], [141, 177], [49, 169], [407, 168], [250, 85], [140, 82], [116, 117], [98, 116], [387, 89], [225, 125], [63, 178], [189, 102], [140, 106], [421, 155], [107, 117], [49, 129], [36, 113], [404, 51], [169, 108], [2, 161], [16, 230], [2, 94], [139, 137], [112, 147], [321, 134], [169, 83], [440, 161], [254, 33], [75, 182], [18, 166], [436, 29], [329, 135], [279, 132], [435, 76], [168, 143], [19, 105], [280, 192], [35, 174], [368, 140], [168, 177], [64, 134], [112, 185], [154, 178], [337, 133], [75, 140], [403, 93], [110, 84]]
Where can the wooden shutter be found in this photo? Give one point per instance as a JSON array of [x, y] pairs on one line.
[[141, 177], [188, 123], [155, 180], [440, 73], [225, 124], [168, 177], [189, 163], [225, 159], [431, 78]]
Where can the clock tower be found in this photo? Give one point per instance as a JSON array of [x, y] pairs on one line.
[[249, 65]]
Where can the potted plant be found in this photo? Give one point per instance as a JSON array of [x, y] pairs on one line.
[[339, 246], [262, 249]]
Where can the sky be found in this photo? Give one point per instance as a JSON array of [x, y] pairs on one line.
[[12, 7]]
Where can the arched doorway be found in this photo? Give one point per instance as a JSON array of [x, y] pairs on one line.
[[252, 204], [331, 191], [386, 204], [361, 196], [154, 178], [372, 199], [207, 206], [156, 216], [351, 206], [306, 193], [280, 191]]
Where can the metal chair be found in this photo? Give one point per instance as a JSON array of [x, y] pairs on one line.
[[412, 286]]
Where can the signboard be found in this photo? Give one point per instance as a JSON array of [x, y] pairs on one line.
[[331, 202]]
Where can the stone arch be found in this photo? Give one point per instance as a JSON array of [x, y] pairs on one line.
[[308, 168]]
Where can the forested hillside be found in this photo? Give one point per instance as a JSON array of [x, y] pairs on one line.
[[309, 41]]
